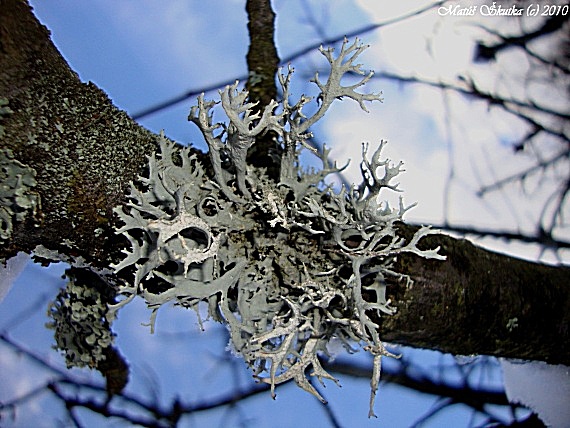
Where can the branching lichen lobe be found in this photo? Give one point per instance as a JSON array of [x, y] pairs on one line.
[[288, 266]]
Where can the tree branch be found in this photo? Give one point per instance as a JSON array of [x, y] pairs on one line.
[[262, 63], [485, 52], [480, 302], [192, 93], [83, 149]]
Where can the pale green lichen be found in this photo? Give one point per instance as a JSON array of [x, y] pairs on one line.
[[4, 111], [17, 198], [512, 324], [287, 266], [82, 330]]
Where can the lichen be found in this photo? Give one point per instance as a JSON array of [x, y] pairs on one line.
[[4, 111], [287, 266], [69, 132], [17, 197], [81, 327]]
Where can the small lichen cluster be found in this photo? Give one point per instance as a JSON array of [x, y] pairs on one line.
[[17, 199], [79, 318], [4, 111], [288, 266], [16, 181]]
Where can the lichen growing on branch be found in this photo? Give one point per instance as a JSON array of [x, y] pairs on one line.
[[287, 266], [17, 197], [79, 318]]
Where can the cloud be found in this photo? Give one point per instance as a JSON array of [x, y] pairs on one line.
[[427, 44], [452, 145]]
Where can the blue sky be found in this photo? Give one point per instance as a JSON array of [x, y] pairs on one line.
[[142, 52]]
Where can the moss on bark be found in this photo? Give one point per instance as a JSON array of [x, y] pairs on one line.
[[83, 149]]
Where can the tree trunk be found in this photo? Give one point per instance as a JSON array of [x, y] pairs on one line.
[[85, 151]]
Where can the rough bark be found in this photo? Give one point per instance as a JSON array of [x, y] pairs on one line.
[[262, 63], [481, 302], [262, 57], [85, 151]]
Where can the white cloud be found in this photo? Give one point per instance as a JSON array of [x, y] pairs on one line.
[[428, 44], [542, 387], [443, 134]]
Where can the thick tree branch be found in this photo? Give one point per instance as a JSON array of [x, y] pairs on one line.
[[480, 302], [262, 58], [83, 149], [544, 240]]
